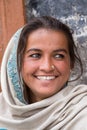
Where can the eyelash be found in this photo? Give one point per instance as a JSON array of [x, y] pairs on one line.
[[59, 56], [38, 56]]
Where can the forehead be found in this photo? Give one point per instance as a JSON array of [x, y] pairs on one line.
[[45, 31], [47, 37]]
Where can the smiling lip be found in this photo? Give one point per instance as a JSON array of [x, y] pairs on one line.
[[46, 77]]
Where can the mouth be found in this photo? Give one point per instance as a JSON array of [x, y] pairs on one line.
[[46, 77]]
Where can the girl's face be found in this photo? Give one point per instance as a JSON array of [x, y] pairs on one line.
[[46, 48]]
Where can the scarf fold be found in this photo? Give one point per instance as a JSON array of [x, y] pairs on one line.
[[66, 110]]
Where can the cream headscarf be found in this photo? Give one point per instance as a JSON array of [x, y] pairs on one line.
[[66, 110]]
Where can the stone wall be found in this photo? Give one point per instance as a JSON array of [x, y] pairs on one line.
[[71, 12]]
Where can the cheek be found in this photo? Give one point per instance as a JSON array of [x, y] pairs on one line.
[[28, 67], [64, 67]]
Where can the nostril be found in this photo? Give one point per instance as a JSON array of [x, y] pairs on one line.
[[47, 68]]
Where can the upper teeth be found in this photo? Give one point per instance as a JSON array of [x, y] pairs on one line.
[[45, 77]]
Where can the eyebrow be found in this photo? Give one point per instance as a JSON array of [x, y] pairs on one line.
[[57, 50], [33, 49], [61, 50]]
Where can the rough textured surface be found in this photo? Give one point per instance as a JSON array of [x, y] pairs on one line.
[[71, 12]]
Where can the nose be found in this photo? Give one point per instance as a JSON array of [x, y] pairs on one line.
[[46, 65]]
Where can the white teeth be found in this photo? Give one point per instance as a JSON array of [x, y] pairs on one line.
[[46, 77]]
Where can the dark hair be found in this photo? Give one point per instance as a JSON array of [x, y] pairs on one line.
[[48, 23]]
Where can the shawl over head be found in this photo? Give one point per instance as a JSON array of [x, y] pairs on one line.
[[66, 110]]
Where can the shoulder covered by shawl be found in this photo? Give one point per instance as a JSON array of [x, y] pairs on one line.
[[77, 108], [67, 110]]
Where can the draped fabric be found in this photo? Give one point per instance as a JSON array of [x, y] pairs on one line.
[[66, 110]]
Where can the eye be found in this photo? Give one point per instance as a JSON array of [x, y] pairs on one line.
[[35, 55], [59, 56]]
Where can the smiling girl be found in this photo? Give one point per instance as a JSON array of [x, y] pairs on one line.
[[36, 68]]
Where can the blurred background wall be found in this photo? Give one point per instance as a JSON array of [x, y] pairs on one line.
[[14, 14]]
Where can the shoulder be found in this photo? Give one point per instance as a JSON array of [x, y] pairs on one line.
[[79, 122], [76, 99], [77, 107], [77, 94]]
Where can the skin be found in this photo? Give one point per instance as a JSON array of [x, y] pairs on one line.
[[45, 48]]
